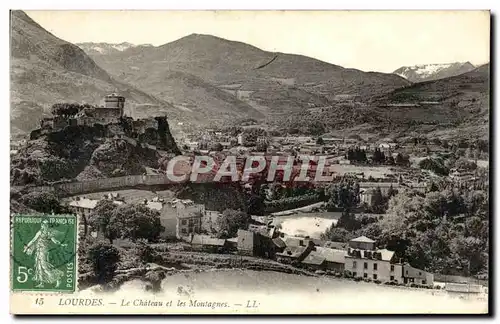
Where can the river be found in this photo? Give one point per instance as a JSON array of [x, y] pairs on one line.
[[280, 293]]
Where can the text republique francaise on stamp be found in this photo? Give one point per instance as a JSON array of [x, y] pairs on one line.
[[43, 253]]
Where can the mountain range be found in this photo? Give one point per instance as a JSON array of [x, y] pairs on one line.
[[45, 70], [107, 48], [202, 80], [453, 107], [267, 83], [428, 72]]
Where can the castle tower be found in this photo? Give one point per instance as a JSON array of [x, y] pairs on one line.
[[115, 101]]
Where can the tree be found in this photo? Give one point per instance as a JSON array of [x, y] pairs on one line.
[[100, 219], [251, 134], [136, 222], [337, 234], [145, 252], [416, 228], [344, 196], [348, 221], [340, 195], [402, 159], [378, 156], [432, 186], [372, 230], [474, 226], [42, 201], [255, 204], [378, 201], [217, 147], [465, 164], [320, 141], [230, 221], [275, 191], [261, 147], [104, 259], [434, 165], [391, 192], [390, 160], [66, 109], [470, 255], [477, 204]]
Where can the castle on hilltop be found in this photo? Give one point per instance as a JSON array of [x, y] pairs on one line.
[[85, 115], [111, 121]]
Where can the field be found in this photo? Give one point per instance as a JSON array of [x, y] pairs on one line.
[[307, 224], [373, 171]]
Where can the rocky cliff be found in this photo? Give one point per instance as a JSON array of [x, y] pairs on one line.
[[89, 152]]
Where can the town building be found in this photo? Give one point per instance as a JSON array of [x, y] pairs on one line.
[[83, 207], [209, 244], [189, 218], [296, 250], [366, 196], [363, 243], [255, 244], [241, 139], [417, 276], [364, 260], [321, 258], [336, 245]]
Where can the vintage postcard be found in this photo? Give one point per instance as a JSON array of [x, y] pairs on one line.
[[249, 162]]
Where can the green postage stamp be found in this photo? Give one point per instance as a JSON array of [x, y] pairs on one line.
[[43, 253]]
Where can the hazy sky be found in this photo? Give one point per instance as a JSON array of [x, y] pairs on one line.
[[367, 40]]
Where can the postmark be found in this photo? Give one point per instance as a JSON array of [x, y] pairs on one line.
[[43, 253]]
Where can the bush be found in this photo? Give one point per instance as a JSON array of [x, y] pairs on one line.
[[155, 278], [358, 279], [145, 253], [104, 259], [348, 274], [377, 282], [434, 165], [44, 202]]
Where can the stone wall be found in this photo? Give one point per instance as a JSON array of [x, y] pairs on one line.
[[74, 188]]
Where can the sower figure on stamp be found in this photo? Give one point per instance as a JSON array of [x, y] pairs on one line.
[[45, 272]]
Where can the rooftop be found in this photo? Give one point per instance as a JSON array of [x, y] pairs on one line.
[[381, 254], [88, 203], [336, 245], [295, 241], [279, 242], [363, 239], [314, 258], [293, 251], [84, 203], [207, 240], [156, 205], [331, 255]]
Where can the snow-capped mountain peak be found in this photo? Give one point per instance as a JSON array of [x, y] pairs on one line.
[[107, 48], [427, 72]]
